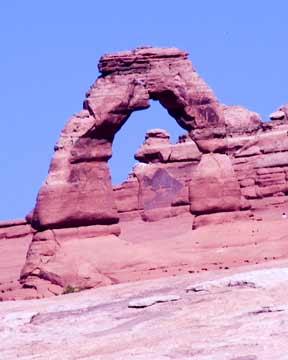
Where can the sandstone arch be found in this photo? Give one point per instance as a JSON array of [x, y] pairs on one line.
[[76, 193], [78, 189], [235, 163]]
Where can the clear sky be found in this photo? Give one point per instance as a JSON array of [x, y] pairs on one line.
[[49, 55]]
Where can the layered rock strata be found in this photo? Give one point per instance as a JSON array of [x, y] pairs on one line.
[[228, 161], [245, 170], [78, 191], [15, 229]]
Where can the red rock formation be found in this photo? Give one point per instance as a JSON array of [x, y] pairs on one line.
[[158, 187], [78, 190], [280, 115], [214, 186], [226, 163], [15, 229], [239, 120], [15, 237]]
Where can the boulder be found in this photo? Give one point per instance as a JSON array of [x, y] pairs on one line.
[[214, 186], [240, 120], [281, 114], [185, 151], [86, 198], [156, 147], [277, 115]]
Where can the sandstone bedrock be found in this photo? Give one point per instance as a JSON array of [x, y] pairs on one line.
[[227, 165]]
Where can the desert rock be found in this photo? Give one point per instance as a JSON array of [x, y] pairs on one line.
[[227, 165]]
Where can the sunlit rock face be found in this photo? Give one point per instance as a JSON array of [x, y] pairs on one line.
[[78, 189], [228, 161]]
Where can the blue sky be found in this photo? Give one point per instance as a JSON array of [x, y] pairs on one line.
[[49, 55]]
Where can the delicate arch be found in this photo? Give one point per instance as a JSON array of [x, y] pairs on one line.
[[78, 188]]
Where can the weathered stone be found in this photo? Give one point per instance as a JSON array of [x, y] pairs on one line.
[[271, 160], [158, 148], [226, 161], [64, 257], [186, 151], [250, 192], [158, 189], [273, 170], [284, 108], [214, 186], [247, 182], [240, 120], [212, 145], [9, 223], [221, 218], [15, 231], [78, 190], [277, 115], [281, 114], [126, 195], [271, 179], [85, 199], [162, 213]]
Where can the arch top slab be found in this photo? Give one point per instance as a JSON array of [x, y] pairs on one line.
[[78, 188], [129, 79]]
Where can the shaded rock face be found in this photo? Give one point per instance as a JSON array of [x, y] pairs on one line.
[[228, 161]]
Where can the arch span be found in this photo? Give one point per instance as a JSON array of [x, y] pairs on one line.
[[128, 140], [78, 188]]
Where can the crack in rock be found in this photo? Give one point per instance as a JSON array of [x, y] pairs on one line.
[[152, 300]]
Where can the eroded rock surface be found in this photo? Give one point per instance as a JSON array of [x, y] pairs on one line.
[[78, 191], [223, 322], [228, 166]]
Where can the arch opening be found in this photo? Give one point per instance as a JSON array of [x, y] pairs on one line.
[[131, 136]]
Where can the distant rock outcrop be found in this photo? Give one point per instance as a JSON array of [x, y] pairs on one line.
[[280, 114], [227, 161]]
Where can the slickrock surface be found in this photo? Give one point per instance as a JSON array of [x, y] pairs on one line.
[[241, 316]]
